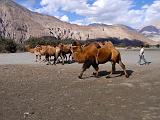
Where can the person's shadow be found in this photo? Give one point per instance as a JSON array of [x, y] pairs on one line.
[[146, 63]]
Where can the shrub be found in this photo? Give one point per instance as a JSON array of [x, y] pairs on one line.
[[10, 46], [2, 46], [20, 47], [147, 45], [33, 42], [157, 45], [7, 45], [47, 40]]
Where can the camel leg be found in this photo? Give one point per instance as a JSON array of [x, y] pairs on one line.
[[36, 58], [39, 57], [65, 57], [69, 58], [95, 66], [83, 70], [124, 69], [55, 60], [113, 67], [62, 60], [86, 65], [62, 57], [47, 58], [44, 60], [112, 70]]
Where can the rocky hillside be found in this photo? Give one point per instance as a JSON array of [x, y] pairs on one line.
[[19, 23]]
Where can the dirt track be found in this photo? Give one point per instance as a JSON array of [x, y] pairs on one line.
[[34, 91]]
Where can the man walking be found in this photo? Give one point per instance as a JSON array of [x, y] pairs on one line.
[[141, 56]]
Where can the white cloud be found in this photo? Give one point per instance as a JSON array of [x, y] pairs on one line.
[[53, 7], [103, 11], [152, 13], [64, 18]]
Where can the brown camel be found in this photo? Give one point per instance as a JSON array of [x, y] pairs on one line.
[[47, 51], [35, 51], [28, 48], [94, 54], [66, 49], [52, 51]]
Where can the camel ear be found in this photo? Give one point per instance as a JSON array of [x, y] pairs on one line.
[[103, 43], [81, 48]]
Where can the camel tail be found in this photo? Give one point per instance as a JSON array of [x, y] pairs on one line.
[[118, 58], [97, 57]]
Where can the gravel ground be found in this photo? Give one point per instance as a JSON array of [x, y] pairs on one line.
[[35, 91]]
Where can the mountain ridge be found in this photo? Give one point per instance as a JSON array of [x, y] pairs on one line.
[[19, 23], [152, 32]]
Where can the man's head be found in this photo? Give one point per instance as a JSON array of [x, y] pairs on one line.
[[141, 46]]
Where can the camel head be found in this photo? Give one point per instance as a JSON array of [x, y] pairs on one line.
[[76, 43], [28, 48], [76, 49]]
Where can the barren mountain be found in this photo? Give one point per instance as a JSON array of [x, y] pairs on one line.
[[19, 23], [152, 32]]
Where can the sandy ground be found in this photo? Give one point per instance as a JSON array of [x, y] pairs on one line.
[[35, 91]]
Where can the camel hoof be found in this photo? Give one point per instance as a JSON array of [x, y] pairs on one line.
[[94, 73], [80, 77], [108, 76], [48, 63], [96, 76], [127, 76]]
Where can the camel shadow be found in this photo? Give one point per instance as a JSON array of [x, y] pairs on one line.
[[65, 61], [115, 74]]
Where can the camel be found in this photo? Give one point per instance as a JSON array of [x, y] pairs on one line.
[[66, 49], [35, 51], [29, 49], [42, 49], [86, 55], [49, 51], [94, 54]]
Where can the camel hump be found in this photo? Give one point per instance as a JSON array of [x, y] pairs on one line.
[[109, 44]]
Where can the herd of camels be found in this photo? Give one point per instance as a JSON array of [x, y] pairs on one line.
[[91, 54]]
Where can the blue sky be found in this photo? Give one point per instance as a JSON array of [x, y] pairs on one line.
[[140, 3], [134, 13]]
